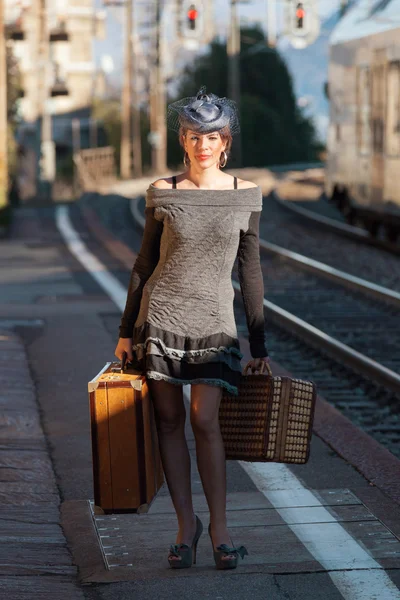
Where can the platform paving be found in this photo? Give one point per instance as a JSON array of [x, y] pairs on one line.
[[131, 547], [64, 328], [34, 559]]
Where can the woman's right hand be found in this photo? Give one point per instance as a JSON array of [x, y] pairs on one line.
[[124, 345]]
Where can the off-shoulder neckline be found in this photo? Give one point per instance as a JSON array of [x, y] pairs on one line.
[[171, 189]]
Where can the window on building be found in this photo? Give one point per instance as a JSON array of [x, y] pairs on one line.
[[364, 110], [393, 110]]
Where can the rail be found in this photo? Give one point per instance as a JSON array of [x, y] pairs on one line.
[[344, 229]]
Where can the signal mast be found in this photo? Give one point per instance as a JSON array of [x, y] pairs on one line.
[[302, 22]]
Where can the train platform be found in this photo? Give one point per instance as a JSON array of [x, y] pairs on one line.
[[328, 530]]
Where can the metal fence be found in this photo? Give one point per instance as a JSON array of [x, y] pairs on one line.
[[95, 169]]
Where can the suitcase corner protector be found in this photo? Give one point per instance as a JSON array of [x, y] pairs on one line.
[[136, 384], [92, 386], [97, 510]]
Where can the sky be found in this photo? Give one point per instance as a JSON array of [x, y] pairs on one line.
[[254, 11]]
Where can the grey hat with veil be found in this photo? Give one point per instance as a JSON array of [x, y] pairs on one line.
[[203, 113]]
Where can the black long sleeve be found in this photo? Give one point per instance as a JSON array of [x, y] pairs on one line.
[[144, 266], [252, 285]]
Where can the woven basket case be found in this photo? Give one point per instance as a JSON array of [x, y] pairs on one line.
[[270, 420]]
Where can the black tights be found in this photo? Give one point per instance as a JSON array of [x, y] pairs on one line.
[[170, 417]]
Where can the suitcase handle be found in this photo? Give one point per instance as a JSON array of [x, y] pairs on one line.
[[265, 367], [123, 366]]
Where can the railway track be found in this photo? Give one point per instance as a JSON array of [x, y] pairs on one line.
[[278, 483], [335, 329], [343, 229], [284, 228]]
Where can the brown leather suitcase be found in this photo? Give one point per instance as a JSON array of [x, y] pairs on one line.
[[127, 470]]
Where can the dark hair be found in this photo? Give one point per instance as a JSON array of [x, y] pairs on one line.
[[224, 133]]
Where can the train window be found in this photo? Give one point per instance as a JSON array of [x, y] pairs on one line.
[[363, 110], [393, 110]]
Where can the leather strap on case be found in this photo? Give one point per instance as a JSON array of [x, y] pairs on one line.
[[140, 447]]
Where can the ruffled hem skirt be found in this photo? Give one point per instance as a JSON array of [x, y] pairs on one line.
[[164, 355]]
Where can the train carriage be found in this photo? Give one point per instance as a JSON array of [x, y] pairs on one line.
[[363, 162]]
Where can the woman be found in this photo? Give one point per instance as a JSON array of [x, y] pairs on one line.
[[178, 326]]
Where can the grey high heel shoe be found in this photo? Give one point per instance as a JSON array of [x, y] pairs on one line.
[[186, 553], [224, 550]]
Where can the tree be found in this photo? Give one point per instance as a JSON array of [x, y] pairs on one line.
[[109, 113], [274, 130]]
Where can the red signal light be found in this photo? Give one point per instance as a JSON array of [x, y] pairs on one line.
[[300, 14], [192, 15]]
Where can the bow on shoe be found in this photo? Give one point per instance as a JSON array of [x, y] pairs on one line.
[[242, 551], [175, 549]]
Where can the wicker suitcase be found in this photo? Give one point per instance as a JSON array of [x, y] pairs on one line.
[[270, 420], [127, 469]]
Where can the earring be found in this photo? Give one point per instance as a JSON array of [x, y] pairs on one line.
[[225, 159], [186, 160]]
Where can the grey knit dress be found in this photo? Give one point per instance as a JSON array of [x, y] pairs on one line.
[[179, 309]]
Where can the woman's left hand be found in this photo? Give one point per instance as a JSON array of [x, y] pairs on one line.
[[257, 365]]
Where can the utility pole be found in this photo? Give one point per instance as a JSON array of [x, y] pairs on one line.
[[209, 20], [3, 114], [233, 51], [76, 146], [157, 103], [126, 130], [47, 162], [137, 137], [272, 23], [130, 117]]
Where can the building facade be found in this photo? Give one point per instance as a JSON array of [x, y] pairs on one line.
[[52, 41], [72, 26]]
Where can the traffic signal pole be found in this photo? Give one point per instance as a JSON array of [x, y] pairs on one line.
[[233, 51], [343, 6], [272, 23], [136, 132], [130, 112], [3, 114], [47, 161]]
